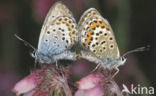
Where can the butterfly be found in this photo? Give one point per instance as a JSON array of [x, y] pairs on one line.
[[57, 36], [98, 41]]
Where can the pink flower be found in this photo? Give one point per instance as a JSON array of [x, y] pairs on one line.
[[97, 84], [95, 91], [27, 84], [90, 81], [36, 93], [91, 85], [44, 82]]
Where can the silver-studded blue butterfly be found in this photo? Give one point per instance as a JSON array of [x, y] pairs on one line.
[[58, 35], [97, 38]]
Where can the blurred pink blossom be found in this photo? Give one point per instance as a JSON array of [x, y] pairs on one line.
[[7, 81]]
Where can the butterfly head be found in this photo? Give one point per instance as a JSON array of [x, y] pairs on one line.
[[116, 62], [33, 54], [122, 60]]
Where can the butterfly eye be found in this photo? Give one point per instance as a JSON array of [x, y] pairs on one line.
[[122, 58], [33, 54]]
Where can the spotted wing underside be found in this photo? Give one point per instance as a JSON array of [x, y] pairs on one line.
[[96, 35], [58, 32]]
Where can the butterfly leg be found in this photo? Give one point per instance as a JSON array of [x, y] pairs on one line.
[[117, 71], [35, 65], [57, 67]]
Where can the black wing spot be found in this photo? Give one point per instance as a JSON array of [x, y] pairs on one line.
[[102, 27], [97, 26], [88, 28], [91, 39], [72, 26], [111, 46], [93, 45], [105, 34], [97, 43], [110, 38], [54, 30], [94, 28], [100, 32], [103, 42], [91, 23], [94, 51], [69, 21], [63, 38], [92, 33], [60, 19], [65, 19], [100, 22], [59, 28], [95, 21], [48, 32], [89, 43], [67, 41], [62, 30], [104, 48], [97, 34]]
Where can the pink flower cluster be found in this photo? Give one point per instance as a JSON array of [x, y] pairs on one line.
[[53, 81], [43, 82]]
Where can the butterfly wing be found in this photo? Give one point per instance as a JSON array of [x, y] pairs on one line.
[[57, 10], [96, 35], [58, 32]]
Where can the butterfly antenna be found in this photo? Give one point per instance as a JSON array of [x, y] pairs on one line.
[[146, 48], [25, 42]]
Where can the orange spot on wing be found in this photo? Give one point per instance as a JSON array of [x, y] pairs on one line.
[[91, 31], [71, 29]]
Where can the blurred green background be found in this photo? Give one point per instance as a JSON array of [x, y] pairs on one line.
[[133, 22]]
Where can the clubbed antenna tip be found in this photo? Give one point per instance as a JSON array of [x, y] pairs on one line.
[[145, 48]]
